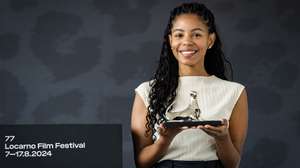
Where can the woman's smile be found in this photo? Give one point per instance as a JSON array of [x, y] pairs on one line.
[[188, 53]]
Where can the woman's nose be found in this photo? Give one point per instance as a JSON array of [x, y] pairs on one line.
[[187, 40]]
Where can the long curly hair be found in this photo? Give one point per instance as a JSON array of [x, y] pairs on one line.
[[165, 80]]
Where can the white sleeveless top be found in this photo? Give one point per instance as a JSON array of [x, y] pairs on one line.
[[216, 99]]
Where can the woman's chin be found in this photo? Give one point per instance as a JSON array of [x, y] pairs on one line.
[[188, 63]]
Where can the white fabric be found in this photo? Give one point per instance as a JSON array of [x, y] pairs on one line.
[[216, 99]]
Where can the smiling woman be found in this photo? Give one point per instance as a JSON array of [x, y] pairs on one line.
[[189, 40], [191, 61]]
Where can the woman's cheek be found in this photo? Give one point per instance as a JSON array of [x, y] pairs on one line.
[[174, 49]]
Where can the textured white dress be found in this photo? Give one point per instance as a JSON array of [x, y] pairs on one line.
[[216, 99]]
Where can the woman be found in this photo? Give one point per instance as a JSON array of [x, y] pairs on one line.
[[191, 59]]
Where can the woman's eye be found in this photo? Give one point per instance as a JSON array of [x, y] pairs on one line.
[[197, 35], [178, 35]]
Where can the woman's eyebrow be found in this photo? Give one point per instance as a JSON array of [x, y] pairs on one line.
[[196, 29], [174, 30], [181, 30]]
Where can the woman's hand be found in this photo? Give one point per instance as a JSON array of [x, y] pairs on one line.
[[219, 132], [167, 134]]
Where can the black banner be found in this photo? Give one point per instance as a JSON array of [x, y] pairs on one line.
[[76, 146]]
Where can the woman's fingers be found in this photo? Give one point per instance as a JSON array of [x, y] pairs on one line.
[[161, 130], [211, 132], [225, 123], [218, 131], [169, 131]]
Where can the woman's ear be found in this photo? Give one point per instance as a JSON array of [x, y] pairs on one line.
[[170, 39], [211, 39]]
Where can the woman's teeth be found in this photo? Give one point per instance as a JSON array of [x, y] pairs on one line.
[[188, 53]]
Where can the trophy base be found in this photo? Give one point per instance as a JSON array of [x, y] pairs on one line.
[[190, 123]]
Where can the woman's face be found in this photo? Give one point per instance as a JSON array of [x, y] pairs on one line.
[[189, 40]]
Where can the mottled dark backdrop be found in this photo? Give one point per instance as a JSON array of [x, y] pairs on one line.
[[66, 61]]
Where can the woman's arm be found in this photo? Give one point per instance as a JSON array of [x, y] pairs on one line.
[[230, 149], [147, 152], [229, 142]]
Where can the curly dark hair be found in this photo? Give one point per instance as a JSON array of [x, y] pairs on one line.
[[165, 80]]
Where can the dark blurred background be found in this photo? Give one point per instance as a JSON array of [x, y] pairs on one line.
[[78, 61]]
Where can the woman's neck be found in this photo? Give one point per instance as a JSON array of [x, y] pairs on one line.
[[191, 71]]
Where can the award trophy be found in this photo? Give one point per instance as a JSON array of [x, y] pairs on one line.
[[190, 116]]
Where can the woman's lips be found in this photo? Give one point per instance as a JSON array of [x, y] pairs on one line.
[[187, 53]]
